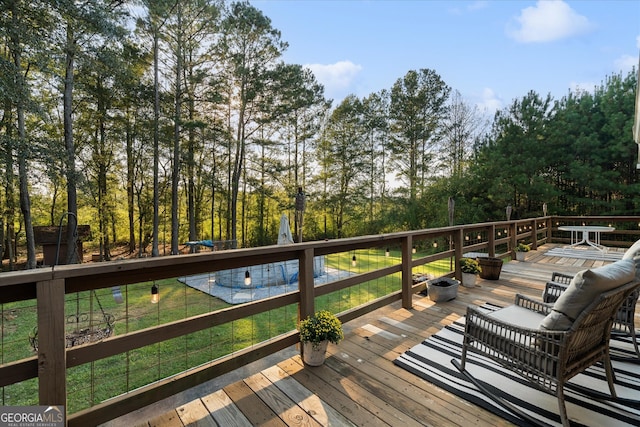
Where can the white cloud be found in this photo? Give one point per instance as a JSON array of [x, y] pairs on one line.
[[490, 101], [626, 63], [548, 21], [335, 77], [470, 7], [477, 5]]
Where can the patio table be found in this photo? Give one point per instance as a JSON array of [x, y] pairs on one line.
[[582, 232]]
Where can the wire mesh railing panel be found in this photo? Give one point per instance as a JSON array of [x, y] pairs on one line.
[[18, 321], [194, 318], [360, 261], [23, 393], [18, 325]]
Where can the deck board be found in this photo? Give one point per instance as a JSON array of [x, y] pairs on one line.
[[255, 410], [313, 381], [195, 414], [359, 385], [287, 409], [223, 410], [319, 410]]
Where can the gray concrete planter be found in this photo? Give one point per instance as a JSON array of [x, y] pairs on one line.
[[442, 289]]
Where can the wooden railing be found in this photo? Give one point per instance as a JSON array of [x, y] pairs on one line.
[[48, 287]]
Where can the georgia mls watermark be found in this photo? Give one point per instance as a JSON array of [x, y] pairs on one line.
[[32, 416]]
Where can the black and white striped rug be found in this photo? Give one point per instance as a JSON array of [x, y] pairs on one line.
[[431, 360]]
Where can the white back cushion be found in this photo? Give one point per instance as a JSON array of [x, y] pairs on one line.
[[584, 288], [633, 253]]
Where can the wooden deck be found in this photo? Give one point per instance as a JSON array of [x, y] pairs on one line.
[[358, 384]]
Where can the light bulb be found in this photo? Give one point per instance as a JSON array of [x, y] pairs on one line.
[[155, 295]]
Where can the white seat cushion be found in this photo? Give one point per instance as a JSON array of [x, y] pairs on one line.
[[518, 316]]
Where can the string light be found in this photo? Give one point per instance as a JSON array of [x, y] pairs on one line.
[[155, 296], [353, 261], [247, 278], [413, 250], [386, 253]]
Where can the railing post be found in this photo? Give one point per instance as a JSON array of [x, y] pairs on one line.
[[306, 285], [407, 276], [534, 235], [458, 250], [491, 240], [513, 239], [52, 358]]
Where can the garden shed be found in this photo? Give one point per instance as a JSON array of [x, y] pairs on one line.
[[49, 236]]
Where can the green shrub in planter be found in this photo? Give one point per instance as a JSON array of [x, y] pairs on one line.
[[470, 265], [322, 326]]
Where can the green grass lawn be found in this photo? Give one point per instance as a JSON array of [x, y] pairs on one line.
[[95, 382]]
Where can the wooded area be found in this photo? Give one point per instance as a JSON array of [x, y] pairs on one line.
[[160, 122]]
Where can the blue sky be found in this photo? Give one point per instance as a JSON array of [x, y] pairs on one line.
[[492, 52]]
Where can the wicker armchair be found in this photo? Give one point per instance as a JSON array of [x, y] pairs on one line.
[[561, 277], [513, 338], [624, 322], [552, 292]]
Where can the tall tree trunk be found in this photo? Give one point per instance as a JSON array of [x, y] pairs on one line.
[[235, 187], [213, 189], [72, 198], [104, 216], [9, 213], [156, 149], [25, 201], [191, 187], [130, 185], [175, 177], [230, 179]]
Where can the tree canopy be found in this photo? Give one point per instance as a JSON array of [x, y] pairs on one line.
[[183, 123]]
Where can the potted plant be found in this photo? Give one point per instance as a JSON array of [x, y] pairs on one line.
[[316, 332], [521, 251], [470, 268], [442, 289], [491, 267]]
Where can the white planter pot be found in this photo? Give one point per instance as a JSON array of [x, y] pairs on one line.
[[469, 280], [521, 256], [314, 355]]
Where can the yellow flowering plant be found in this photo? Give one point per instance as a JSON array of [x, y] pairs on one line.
[[321, 326], [470, 265], [523, 247]]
